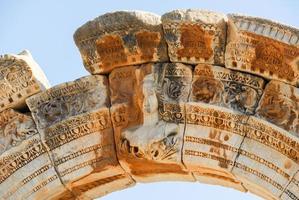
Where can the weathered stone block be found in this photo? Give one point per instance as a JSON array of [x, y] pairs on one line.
[[148, 149], [263, 47], [26, 171], [280, 106], [195, 36], [83, 152], [69, 99], [120, 39], [212, 139], [220, 86], [267, 159], [20, 77], [74, 123], [291, 191]]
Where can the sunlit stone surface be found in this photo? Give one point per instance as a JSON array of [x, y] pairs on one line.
[[177, 100]]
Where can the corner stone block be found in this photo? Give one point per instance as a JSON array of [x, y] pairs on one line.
[[20, 77], [223, 87], [195, 36], [120, 39], [74, 122], [212, 139], [26, 171], [280, 106], [268, 159], [149, 149], [263, 47]]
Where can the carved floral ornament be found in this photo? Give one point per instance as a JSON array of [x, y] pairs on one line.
[[190, 96]]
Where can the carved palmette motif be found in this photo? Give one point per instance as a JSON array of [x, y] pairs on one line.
[[120, 39], [195, 36], [223, 87]]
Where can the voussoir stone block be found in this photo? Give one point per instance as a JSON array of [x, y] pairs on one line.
[[26, 171], [291, 191], [20, 77], [149, 149], [280, 106], [223, 87], [263, 47], [120, 39], [267, 159], [69, 99], [75, 125], [212, 139], [195, 36]]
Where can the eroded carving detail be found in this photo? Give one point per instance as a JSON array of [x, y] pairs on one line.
[[121, 39], [159, 121], [280, 106], [20, 77], [195, 36], [220, 86], [259, 46]]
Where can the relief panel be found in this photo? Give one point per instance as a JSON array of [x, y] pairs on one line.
[[26, 171], [220, 86], [279, 105], [150, 149]]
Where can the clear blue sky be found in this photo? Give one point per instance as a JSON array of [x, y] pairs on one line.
[[46, 27]]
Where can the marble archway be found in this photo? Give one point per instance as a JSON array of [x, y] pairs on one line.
[[192, 96]]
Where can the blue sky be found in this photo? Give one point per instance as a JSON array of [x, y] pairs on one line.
[[46, 29]]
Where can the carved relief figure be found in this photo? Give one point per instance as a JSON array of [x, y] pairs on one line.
[[151, 142], [223, 87], [208, 90], [279, 105], [14, 129]]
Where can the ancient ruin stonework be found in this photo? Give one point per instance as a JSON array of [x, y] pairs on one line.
[[190, 96]]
